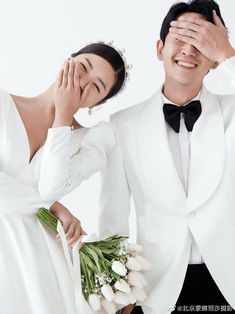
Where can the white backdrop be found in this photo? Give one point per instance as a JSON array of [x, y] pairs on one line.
[[36, 36]]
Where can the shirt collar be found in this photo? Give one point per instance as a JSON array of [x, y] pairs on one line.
[[165, 100]]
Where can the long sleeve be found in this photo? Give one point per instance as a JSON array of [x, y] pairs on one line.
[[115, 196], [70, 156]]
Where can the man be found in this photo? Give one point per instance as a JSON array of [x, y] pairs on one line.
[[175, 155]]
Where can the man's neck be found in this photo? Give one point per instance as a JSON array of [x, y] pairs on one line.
[[180, 94]]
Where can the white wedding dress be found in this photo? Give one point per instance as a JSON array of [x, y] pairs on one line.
[[34, 274]]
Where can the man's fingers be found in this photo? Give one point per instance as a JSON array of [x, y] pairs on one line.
[[193, 20], [186, 39], [185, 32], [186, 25], [217, 20]]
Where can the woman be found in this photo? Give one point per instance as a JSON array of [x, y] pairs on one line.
[[35, 277]]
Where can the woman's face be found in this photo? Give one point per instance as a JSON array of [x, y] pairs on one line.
[[97, 77]]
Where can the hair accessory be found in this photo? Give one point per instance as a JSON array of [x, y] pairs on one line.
[[127, 66]]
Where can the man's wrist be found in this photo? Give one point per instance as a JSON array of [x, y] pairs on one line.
[[227, 55]]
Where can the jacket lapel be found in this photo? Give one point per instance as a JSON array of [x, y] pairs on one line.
[[157, 164], [207, 152]]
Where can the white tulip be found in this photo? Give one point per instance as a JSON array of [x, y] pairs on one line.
[[131, 297], [132, 264], [141, 278], [134, 279], [139, 294], [122, 285], [145, 265], [94, 302], [121, 298], [119, 268], [135, 247], [107, 292], [109, 307]]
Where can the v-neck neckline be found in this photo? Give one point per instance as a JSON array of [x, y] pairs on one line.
[[26, 136]]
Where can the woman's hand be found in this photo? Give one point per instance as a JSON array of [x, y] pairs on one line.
[[71, 225], [67, 94]]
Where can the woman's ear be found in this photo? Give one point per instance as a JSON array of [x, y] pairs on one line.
[[159, 48]]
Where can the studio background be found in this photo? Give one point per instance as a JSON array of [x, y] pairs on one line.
[[37, 36]]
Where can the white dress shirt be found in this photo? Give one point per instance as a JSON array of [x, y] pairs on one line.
[[180, 148]]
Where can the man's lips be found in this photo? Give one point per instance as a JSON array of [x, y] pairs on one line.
[[186, 63]]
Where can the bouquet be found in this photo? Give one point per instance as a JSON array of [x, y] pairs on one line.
[[110, 269]]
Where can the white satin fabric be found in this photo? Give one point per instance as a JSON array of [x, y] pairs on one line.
[[35, 275]]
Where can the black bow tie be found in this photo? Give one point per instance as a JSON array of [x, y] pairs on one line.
[[191, 112]]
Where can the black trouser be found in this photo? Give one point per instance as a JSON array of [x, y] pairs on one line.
[[199, 293]]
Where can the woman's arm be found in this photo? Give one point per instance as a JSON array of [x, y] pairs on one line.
[[69, 157]]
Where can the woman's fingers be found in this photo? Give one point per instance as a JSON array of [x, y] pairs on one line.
[[71, 74], [70, 231], [65, 74], [60, 77]]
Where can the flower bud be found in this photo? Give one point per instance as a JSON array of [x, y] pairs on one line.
[[135, 247], [145, 265], [134, 279], [131, 297], [132, 264], [109, 307], [121, 298], [139, 294], [122, 285], [119, 268], [141, 278], [107, 292], [94, 302]]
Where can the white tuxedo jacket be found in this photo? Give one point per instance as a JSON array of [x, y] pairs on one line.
[[141, 164]]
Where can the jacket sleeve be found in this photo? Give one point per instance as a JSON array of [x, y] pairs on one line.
[[228, 67], [115, 196], [70, 156]]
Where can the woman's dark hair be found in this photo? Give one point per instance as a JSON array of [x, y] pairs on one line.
[[204, 7], [114, 59]]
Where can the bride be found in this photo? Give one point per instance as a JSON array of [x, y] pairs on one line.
[[36, 135]]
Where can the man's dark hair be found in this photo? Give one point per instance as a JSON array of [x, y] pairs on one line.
[[204, 7], [114, 59]]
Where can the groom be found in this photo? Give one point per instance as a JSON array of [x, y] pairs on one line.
[[175, 155]]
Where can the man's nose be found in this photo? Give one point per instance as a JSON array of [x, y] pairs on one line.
[[189, 50]]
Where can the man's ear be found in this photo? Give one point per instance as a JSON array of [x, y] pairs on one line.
[[214, 65], [159, 47]]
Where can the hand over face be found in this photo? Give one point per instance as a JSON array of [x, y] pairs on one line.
[[209, 39], [68, 92]]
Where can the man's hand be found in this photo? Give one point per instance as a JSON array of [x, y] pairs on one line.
[[210, 39], [71, 225]]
